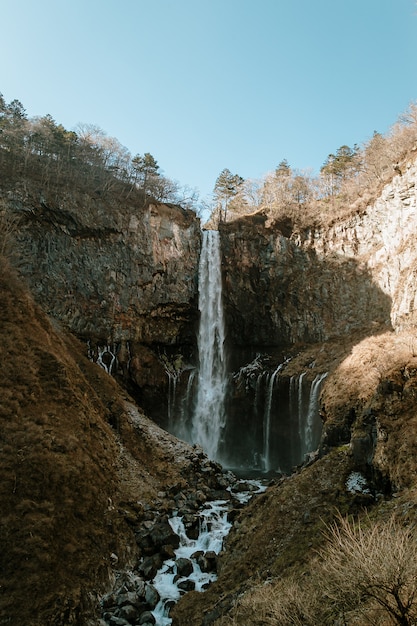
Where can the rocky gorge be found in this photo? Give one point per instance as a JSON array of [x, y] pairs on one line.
[[118, 285]]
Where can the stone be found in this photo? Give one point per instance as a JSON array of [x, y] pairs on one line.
[[162, 534], [184, 566], [149, 566], [118, 621], [186, 585], [147, 619], [207, 561], [129, 612], [151, 595]]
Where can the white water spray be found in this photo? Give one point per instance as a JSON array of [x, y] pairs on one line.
[[209, 415], [213, 528]]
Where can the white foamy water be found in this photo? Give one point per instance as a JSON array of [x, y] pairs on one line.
[[214, 526], [209, 415]]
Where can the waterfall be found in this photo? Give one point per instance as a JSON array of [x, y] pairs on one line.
[[209, 415], [180, 427], [296, 402], [308, 439], [267, 416], [106, 358], [214, 526], [172, 392]]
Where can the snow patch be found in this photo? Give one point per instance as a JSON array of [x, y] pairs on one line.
[[356, 483]]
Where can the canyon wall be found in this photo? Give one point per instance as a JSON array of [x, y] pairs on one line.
[[113, 273], [319, 284], [296, 303], [121, 277], [125, 279]]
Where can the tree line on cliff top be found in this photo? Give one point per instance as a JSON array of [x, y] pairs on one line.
[[42, 151], [348, 180]]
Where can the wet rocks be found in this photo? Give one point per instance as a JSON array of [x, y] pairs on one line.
[[131, 602], [184, 567], [134, 597], [207, 561]]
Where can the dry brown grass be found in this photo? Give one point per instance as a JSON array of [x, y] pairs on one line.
[[359, 374], [72, 456], [57, 465], [366, 573]]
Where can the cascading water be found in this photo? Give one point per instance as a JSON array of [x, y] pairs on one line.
[[267, 417], [273, 419], [209, 415], [214, 527], [308, 438]]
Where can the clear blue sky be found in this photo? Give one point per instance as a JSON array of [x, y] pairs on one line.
[[208, 84]]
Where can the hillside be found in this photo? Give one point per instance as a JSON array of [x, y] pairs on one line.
[[369, 409], [79, 467]]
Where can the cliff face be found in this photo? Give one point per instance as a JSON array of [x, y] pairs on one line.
[[317, 285], [111, 273], [341, 288], [123, 278]]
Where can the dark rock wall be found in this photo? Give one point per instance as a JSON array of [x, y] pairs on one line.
[[114, 274], [278, 292], [126, 277]]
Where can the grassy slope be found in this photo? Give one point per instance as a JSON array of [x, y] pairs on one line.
[[76, 459]]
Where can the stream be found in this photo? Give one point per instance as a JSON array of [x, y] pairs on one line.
[[194, 564]]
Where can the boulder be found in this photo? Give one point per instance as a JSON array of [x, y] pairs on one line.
[[184, 566]]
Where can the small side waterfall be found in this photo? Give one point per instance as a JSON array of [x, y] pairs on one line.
[[308, 439], [304, 398], [209, 415], [273, 420], [267, 418]]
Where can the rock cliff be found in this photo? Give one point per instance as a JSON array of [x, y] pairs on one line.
[[286, 288], [120, 276], [111, 272], [125, 280], [350, 290]]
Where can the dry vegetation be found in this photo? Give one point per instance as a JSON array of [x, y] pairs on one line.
[[40, 154], [366, 573], [77, 460], [350, 180]]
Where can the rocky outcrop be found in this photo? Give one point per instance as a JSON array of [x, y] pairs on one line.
[[112, 273], [316, 285], [121, 277]]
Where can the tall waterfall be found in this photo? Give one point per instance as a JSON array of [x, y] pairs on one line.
[[209, 414]]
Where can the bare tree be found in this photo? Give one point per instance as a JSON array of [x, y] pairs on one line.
[[370, 569]]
